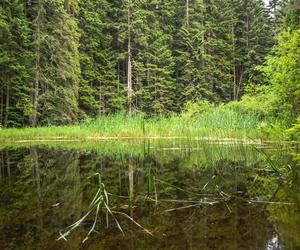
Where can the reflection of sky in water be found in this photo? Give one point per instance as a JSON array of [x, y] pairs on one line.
[[274, 244]]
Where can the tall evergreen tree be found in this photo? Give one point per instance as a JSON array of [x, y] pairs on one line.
[[57, 69], [15, 63], [120, 16], [153, 62], [99, 89], [145, 59], [252, 37], [218, 49], [277, 9], [190, 51]]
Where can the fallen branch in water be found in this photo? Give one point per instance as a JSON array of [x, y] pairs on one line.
[[199, 203], [131, 219], [271, 202]]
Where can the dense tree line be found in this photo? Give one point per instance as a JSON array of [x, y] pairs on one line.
[[65, 60]]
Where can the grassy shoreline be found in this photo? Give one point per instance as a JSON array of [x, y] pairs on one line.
[[215, 124]]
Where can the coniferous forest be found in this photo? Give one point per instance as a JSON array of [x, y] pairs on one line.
[[149, 124], [66, 61]]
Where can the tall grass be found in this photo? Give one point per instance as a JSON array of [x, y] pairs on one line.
[[217, 122]]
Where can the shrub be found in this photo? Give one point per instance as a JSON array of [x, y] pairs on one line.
[[294, 131], [260, 101], [195, 109]]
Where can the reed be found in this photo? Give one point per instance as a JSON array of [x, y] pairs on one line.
[[219, 122], [99, 203]]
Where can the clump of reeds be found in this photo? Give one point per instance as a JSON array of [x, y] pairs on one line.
[[218, 122], [99, 202]]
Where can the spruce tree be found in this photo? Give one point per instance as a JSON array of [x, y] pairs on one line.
[[146, 63], [252, 41], [190, 51], [204, 50], [56, 67], [153, 61], [15, 64], [99, 90]]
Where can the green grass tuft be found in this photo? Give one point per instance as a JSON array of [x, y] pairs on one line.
[[215, 122]]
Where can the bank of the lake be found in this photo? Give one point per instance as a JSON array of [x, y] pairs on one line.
[[216, 124]]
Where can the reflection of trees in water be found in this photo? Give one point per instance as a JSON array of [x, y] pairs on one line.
[[43, 193], [286, 218], [51, 189]]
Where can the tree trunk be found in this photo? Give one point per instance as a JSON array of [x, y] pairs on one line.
[[100, 102], [234, 83], [187, 13], [129, 85], [203, 38], [36, 83], [148, 73], [2, 106], [233, 62], [118, 78], [130, 178], [238, 79], [6, 107], [247, 27], [129, 66]]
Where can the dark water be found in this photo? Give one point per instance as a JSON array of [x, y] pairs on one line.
[[205, 197]]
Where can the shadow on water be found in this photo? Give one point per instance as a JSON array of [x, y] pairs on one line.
[[153, 196]]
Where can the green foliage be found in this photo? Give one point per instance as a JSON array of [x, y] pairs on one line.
[[283, 71], [214, 122], [56, 61], [195, 109], [65, 61], [99, 91], [292, 14], [190, 52], [294, 131], [226, 118], [261, 100], [15, 61]]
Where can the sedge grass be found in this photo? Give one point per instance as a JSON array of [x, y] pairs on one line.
[[218, 123]]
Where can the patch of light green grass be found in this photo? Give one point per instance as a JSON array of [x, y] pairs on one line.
[[217, 122]]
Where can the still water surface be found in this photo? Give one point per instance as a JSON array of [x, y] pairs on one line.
[[176, 195]]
